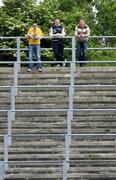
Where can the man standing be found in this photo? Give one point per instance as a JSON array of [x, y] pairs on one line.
[[82, 33], [34, 36], [57, 32]]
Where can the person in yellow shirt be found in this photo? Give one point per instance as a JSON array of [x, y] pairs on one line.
[[34, 37]]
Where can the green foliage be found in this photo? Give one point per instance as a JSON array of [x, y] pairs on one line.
[[17, 16]]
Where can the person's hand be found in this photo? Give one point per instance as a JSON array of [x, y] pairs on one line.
[[58, 35], [36, 37]]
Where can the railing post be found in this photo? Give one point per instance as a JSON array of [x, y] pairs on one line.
[[67, 150], [73, 50], [1, 170], [9, 127], [69, 118], [6, 152], [65, 170], [18, 52], [13, 96], [16, 76]]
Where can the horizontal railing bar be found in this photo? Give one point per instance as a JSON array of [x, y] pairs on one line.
[[54, 62], [38, 110], [95, 85], [48, 37], [96, 61], [4, 110], [25, 49], [93, 109], [43, 86], [61, 86], [5, 86], [50, 62], [8, 49], [35, 135], [92, 160], [11, 37], [59, 162], [26, 162], [94, 134], [104, 48], [102, 36]]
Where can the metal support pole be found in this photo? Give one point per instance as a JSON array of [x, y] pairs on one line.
[[9, 127], [6, 152], [73, 50], [65, 177], [1, 170], [13, 94], [70, 110], [67, 150], [18, 52], [16, 76], [71, 94], [69, 116]]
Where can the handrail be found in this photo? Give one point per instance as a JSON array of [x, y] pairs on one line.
[[71, 86], [93, 134], [18, 49]]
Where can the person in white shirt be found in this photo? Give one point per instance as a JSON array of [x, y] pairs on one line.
[[82, 33]]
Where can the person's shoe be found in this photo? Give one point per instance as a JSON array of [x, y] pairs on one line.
[[64, 63], [39, 69], [58, 65], [29, 70]]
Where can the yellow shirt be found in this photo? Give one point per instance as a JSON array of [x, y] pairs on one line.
[[36, 35]]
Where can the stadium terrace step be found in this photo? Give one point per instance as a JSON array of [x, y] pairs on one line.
[[91, 157]]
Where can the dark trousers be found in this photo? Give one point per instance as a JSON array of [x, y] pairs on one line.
[[58, 49], [81, 52]]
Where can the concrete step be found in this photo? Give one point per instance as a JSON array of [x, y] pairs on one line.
[[40, 147]]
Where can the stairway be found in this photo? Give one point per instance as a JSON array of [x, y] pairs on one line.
[[91, 157]]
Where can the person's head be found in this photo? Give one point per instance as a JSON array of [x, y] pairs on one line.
[[56, 22], [34, 26], [81, 23]]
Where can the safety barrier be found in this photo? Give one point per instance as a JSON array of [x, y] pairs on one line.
[[70, 110]]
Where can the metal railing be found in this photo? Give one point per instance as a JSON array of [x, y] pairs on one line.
[[64, 163], [70, 110]]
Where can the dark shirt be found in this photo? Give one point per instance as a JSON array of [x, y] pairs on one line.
[[57, 29]]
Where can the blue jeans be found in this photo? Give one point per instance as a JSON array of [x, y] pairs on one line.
[[34, 48], [81, 52]]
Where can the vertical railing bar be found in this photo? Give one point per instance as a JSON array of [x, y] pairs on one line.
[[73, 50], [16, 76], [6, 152], [65, 170], [69, 124], [13, 93], [9, 127], [67, 150], [1, 170], [18, 53]]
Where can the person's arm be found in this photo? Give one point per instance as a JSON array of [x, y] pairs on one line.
[[29, 34], [40, 34], [87, 33], [51, 32], [76, 32], [62, 34]]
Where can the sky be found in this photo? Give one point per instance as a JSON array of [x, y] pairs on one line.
[[1, 3]]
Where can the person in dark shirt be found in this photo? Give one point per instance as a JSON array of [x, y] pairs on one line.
[[57, 33]]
